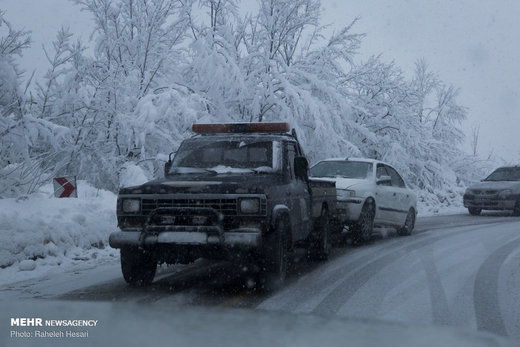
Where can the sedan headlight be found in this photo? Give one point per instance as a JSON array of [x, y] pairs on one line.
[[131, 205], [249, 206], [344, 194], [505, 193]]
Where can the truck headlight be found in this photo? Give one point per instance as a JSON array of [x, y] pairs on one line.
[[249, 206], [505, 193], [344, 194], [131, 205]]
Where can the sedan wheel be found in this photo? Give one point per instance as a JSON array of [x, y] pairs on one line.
[[409, 224], [364, 227]]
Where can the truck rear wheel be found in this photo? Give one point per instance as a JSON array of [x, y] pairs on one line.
[[516, 210], [319, 244], [138, 266], [474, 211], [276, 258]]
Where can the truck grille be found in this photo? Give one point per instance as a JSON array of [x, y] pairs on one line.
[[228, 207]]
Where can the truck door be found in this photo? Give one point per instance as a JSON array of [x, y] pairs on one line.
[[299, 196]]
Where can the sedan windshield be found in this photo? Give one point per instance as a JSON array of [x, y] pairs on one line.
[[505, 174], [236, 156], [347, 169]]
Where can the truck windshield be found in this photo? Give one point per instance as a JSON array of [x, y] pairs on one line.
[[347, 169], [505, 174], [226, 156]]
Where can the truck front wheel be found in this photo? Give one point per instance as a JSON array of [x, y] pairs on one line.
[[138, 266], [275, 258]]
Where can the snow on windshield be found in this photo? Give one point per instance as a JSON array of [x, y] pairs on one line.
[[346, 169], [229, 156]]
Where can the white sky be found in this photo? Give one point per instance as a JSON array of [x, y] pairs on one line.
[[472, 44]]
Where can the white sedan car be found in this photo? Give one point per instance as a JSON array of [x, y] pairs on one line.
[[370, 193]]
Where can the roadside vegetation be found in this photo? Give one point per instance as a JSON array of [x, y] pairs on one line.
[[159, 66]]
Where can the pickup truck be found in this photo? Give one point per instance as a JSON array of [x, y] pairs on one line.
[[238, 192]]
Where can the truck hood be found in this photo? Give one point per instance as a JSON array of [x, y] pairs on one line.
[[232, 183], [343, 183], [496, 185]]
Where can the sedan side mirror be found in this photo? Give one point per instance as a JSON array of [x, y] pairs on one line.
[[384, 180], [301, 168]]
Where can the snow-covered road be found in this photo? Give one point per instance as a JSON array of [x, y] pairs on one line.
[[465, 276], [460, 271]]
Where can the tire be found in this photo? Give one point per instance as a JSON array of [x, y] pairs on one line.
[[409, 224], [474, 211], [138, 266], [516, 210], [319, 243], [362, 230], [275, 258]]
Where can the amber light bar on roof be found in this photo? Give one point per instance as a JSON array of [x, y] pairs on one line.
[[241, 128]]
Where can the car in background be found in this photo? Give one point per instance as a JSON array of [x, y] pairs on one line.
[[498, 191], [369, 193]]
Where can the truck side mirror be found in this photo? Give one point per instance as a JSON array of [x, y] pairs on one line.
[[384, 180], [301, 168], [168, 164], [167, 167]]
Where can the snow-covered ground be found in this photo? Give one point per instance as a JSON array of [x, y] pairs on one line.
[[41, 233], [153, 324]]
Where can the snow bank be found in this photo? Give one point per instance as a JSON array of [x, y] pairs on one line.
[[41, 230], [442, 202]]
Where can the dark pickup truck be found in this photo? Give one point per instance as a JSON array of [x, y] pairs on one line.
[[238, 192]]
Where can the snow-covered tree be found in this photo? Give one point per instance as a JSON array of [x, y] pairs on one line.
[[161, 65]]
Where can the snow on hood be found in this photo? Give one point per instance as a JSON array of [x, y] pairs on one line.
[[496, 185], [344, 183], [221, 169]]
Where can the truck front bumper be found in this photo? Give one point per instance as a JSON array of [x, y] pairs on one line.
[[245, 238]]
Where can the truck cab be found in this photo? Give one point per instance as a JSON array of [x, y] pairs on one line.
[[238, 192]]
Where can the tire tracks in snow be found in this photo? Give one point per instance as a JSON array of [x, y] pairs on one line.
[[485, 292], [352, 283], [347, 279], [310, 285]]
